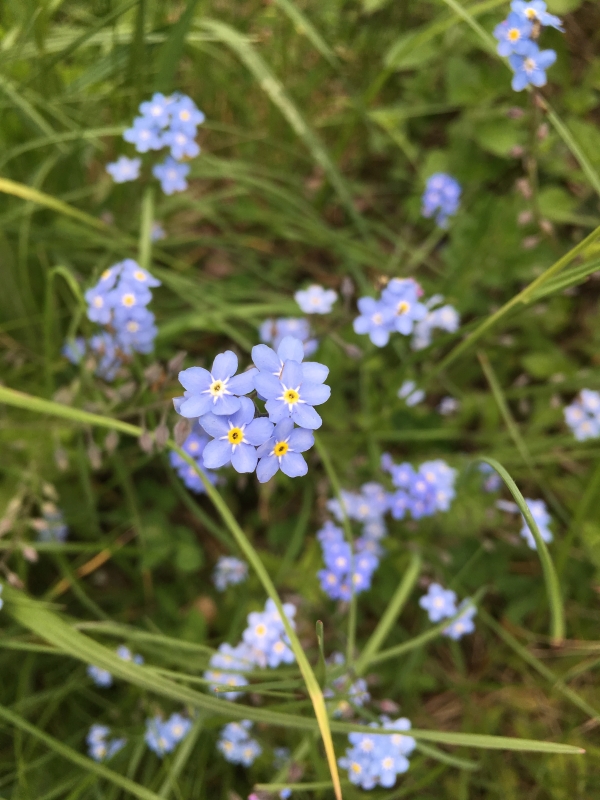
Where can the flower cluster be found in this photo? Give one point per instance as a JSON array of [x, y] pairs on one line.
[[264, 644], [377, 759], [236, 744], [347, 693], [163, 735], [348, 570], [583, 415], [440, 604], [315, 299], [102, 677], [517, 36], [441, 198], [100, 748], [274, 331], [51, 526], [163, 122], [542, 518], [229, 571], [400, 310], [290, 388], [118, 301], [194, 446], [420, 492]]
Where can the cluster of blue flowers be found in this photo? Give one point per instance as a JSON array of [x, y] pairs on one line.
[[400, 310], [100, 748], [274, 331], [228, 572], [517, 36], [583, 415], [51, 526], [441, 198], [163, 122], [162, 736], [102, 677], [377, 759], [348, 570], [118, 301], [194, 446], [315, 299], [236, 744], [264, 644], [440, 604], [422, 492], [290, 388]]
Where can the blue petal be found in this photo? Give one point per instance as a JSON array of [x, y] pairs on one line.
[[195, 406], [267, 467], [290, 349], [242, 383], [213, 425], [379, 337], [268, 385], [216, 454], [224, 365], [293, 465], [291, 374], [313, 372], [246, 412], [283, 429], [265, 358], [266, 448], [177, 401], [244, 458], [258, 431], [361, 325], [226, 405], [306, 417], [277, 410], [367, 305], [315, 393], [195, 379], [301, 440]]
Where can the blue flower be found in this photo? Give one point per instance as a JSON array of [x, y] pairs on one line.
[[156, 110], [144, 135], [266, 637], [464, 624], [124, 169], [178, 727], [99, 305], [583, 415], [376, 318], [441, 197], [172, 176], [229, 572], [289, 349], [316, 299], [194, 446], [542, 518], [105, 346], [74, 349], [217, 391], [512, 33], [291, 395], [536, 11], [101, 677], [439, 603], [125, 654], [445, 318], [530, 66], [236, 745], [282, 452], [136, 331], [410, 394], [185, 115], [236, 438], [135, 276], [402, 296], [378, 759], [99, 748], [274, 331], [182, 144], [158, 736], [229, 659]]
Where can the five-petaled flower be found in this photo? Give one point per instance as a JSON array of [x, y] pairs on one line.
[[291, 395], [282, 452], [217, 391], [530, 66], [236, 438]]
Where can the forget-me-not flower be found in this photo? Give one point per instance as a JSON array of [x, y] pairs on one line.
[[439, 603], [217, 391], [583, 415], [172, 175], [530, 66], [144, 135], [229, 571], [376, 319], [291, 395], [512, 33], [441, 198], [535, 11], [274, 331], [283, 452], [236, 745], [124, 169], [402, 295], [236, 438], [99, 747], [316, 299], [542, 518], [463, 624]]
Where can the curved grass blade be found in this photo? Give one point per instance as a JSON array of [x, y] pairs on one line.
[[275, 90], [84, 762], [305, 27], [557, 624]]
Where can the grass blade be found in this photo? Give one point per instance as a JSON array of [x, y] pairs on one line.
[[172, 49]]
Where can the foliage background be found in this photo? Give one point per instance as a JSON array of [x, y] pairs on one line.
[[323, 122]]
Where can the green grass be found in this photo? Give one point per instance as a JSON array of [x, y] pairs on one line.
[[323, 122]]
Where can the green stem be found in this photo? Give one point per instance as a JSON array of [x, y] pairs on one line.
[[145, 245]]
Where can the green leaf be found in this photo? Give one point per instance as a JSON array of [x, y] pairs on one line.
[[172, 50]]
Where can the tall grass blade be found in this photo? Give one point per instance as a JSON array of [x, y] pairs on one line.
[[172, 50]]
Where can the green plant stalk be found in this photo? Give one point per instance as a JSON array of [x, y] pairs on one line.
[[390, 615], [335, 484], [181, 758], [147, 218], [314, 690], [557, 617]]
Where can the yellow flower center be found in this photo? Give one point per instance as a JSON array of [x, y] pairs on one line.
[[377, 319], [387, 763], [530, 13], [356, 768], [529, 65], [194, 446], [260, 630], [403, 307], [106, 274], [184, 115], [133, 327], [217, 388], [291, 396], [139, 275], [281, 449], [514, 34], [98, 302], [235, 436], [128, 300]]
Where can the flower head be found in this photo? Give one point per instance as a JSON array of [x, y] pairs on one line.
[[124, 169], [530, 66], [583, 415], [464, 623], [439, 603], [512, 33], [542, 518], [172, 175], [291, 395], [535, 11], [316, 299], [229, 572], [217, 391], [402, 296], [441, 198], [236, 438], [283, 452], [274, 331], [376, 319], [144, 135]]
